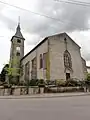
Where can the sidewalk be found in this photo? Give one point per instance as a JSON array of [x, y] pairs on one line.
[[52, 95]]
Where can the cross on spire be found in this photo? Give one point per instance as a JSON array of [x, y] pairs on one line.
[[18, 20]]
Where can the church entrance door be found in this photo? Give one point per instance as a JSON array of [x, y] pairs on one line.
[[67, 76]]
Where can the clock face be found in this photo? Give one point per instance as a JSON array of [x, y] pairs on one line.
[[18, 48]]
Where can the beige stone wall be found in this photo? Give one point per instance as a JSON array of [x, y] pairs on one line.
[[14, 44], [25, 60], [56, 58], [84, 68], [88, 69], [41, 73], [36, 53], [14, 59], [57, 48]]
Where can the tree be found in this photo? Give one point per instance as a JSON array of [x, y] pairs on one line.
[[87, 81], [4, 72], [11, 71], [88, 77]]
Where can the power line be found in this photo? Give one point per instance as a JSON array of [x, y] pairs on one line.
[[58, 20], [31, 11], [83, 4], [49, 17], [79, 2]]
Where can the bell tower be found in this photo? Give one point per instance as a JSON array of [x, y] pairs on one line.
[[16, 53]]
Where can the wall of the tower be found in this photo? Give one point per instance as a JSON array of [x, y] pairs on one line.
[[17, 52], [17, 46]]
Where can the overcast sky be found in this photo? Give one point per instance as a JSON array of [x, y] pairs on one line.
[[75, 20]]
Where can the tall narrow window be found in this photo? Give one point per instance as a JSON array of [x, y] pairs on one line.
[[41, 61], [34, 69], [34, 63], [67, 60], [45, 61], [27, 67]]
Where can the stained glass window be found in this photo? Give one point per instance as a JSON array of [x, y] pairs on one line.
[[67, 59]]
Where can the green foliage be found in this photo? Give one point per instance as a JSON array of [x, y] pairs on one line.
[[10, 72], [87, 81], [13, 71], [71, 82], [33, 82], [88, 77], [41, 83], [4, 72], [37, 82], [60, 82], [50, 82], [21, 83]]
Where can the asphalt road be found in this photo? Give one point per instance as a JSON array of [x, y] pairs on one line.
[[63, 108]]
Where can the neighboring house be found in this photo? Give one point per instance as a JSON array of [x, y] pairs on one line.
[[88, 69]]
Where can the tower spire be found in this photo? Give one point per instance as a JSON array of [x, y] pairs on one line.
[[18, 27], [18, 30]]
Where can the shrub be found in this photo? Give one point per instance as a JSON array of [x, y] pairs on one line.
[[60, 83], [50, 82], [87, 81], [71, 82], [41, 83], [33, 82], [88, 77]]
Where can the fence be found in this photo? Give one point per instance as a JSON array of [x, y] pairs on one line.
[[23, 90], [19, 90]]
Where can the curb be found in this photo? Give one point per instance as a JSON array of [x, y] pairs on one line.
[[38, 97]]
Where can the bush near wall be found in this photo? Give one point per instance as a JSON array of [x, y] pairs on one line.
[[70, 83], [58, 83], [64, 89], [33, 82], [41, 83], [37, 82]]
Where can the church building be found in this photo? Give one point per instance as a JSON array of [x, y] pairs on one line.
[[55, 57]]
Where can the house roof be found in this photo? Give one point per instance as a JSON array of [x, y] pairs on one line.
[[45, 40]]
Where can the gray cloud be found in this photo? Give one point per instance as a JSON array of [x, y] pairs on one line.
[[72, 18]]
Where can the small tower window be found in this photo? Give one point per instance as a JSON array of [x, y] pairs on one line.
[[19, 41], [18, 48], [18, 54]]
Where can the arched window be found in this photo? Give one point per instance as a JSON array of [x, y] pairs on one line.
[[67, 60]]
